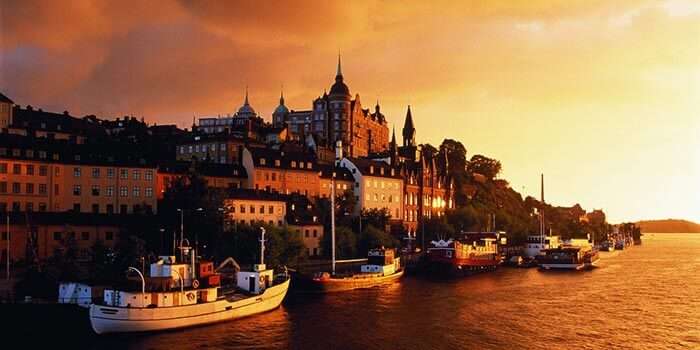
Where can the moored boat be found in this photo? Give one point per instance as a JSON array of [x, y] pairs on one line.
[[472, 252], [382, 268], [568, 258], [200, 298]]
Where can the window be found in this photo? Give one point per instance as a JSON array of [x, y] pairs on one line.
[[123, 191], [76, 172], [262, 161], [315, 233], [137, 191], [148, 176], [30, 169], [16, 187], [136, 174], [56, 236], [308, 165], [17, 169], [277, 162], [242, 209], [306, 233], [148, 192], [3, 168], [43, 170], [262, 209], [109, 236], [270, 210], [294, 164], [252, 209], [110, 173], [30, 188], [95, 190], [274, 176], [3, 187], [123, 174], [85, 236], [30, 207], [15, 206], [96, 173], [76, 207], [95, 208], [123, 209], [76, 190], [55, 189], [110, 209], [110, 191], [42, 207]]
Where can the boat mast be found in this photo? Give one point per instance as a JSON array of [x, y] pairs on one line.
[[338, 156], [542, 225], [262, 245]]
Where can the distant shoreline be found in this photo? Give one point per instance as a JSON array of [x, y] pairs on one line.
[[668, 226]]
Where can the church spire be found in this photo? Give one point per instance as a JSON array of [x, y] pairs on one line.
[[409, 131], [245, 103], [339, 73], [282, 95]]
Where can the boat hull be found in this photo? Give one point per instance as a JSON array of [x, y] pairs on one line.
[[562, 266], [344, 284], [108, 319]]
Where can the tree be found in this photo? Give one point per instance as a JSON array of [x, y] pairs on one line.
[[373, 237], [456, 156], [488, 167], [345, 243], [379, 218]]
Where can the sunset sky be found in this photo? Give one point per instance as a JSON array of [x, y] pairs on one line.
[[603, 97]]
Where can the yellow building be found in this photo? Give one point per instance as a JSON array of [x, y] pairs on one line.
[[251, 207]]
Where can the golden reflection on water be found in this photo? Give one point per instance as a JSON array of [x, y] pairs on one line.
[[642, 297]]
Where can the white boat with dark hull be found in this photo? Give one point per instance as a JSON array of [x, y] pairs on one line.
[[198, 299]]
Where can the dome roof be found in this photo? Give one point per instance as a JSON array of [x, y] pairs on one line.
[[246, 111], [339, 88], [281, 109]]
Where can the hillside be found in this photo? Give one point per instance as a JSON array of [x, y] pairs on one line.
[[669, 226]]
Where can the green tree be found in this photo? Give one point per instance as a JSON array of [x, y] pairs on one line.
[[373, 237], [488, 167], [345, 243]]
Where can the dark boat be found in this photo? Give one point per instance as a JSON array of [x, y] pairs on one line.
[[568, 258]]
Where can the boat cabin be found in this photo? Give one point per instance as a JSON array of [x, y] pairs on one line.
[[256, 281], [381, 261]]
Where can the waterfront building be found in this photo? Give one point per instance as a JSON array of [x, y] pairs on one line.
[[224, 176], [6, 107], [37, 235], [58, 176], [282, 171], [251, 207], [428, 187], [377, 185], [344, 181]]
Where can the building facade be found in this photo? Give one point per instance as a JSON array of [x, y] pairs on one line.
[[250, 207], [377, 185]]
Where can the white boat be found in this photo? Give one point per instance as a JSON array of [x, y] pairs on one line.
[[118, 319], [166, 307]]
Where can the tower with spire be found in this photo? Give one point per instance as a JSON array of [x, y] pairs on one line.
[[279, 116], [409, 131]]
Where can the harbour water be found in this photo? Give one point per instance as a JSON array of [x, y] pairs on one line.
[[645, 297]]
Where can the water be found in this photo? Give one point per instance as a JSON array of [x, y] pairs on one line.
[[643, 297]]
